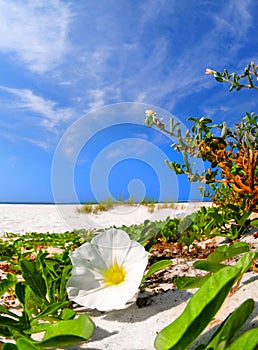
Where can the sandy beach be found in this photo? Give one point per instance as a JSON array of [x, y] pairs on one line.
[[22, 218], [132, 328]]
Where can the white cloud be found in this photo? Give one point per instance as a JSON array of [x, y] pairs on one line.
[[236, 20], [51, 114], [36, 31], [97, 98], [131, 147], [19, 139]]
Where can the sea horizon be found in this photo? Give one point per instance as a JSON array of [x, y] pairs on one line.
[[95, 202]]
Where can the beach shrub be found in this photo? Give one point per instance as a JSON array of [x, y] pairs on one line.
[[230, 153]]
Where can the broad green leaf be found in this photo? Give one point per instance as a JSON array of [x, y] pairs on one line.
[[208, 266], [24, 344], [227, 252], [246, 341], [22, 292], [34, 278], [199, 311], [190, 282], [68, 332], [10, 324], [9, 346], [7, 283], [231, 325], [159, 265]]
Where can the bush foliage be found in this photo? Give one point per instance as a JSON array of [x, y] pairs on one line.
[[230, 153]]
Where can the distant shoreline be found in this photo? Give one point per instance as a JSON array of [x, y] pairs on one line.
[[93, 203]]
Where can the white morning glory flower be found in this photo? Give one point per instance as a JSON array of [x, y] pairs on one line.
[[107, 271]]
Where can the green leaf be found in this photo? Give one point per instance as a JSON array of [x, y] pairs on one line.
[[244, 217], [254, 223], [227, 252], [9, 346], [245, 262], [231, 325], [52, 309], [34, 278], [7, 283], [3, 310], [159, 265], [11, 323], [199, 311], [68, 314], [247, 341], [189, 282], [233, 207], [68, 332], [208, 266], [24, 344], [219, 78], [65, 274], [22, 292]]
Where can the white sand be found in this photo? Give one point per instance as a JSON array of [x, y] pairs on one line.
[[132, 328], [22, 218]]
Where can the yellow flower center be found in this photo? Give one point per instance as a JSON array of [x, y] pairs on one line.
[[114, 275]]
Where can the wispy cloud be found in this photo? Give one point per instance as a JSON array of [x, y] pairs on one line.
[[44, 144], [35, 31], [51, 115], [131, 147], [97, 98], [172, 71]]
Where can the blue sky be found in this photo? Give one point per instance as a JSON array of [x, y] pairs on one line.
[[77, 76]]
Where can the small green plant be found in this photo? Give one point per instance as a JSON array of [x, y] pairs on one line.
[[11, 245], [205, 303], [44, 305]]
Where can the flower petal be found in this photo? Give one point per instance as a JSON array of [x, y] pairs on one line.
[[112, 245], [89, 280], [135, 271], [109, 298], [136, 253], [86, 255]]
